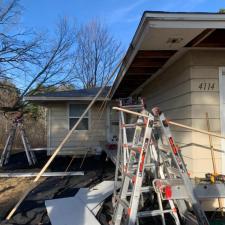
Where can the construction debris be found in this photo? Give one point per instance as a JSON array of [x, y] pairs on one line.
[[80, 209]]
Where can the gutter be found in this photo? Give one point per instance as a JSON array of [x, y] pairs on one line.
[[44, 98]]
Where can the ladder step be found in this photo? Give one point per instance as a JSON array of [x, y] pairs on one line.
[[137, 149], [128, 145], [147, 166], [143, 190], [143, 214], [133, 107], [174, 171], [133, 125], [123, 202]]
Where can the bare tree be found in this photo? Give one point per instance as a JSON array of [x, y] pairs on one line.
[[14, 51], [54, 67], [29, 59], [96, 54]]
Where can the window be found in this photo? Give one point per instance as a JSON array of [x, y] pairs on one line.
[[75, 111]]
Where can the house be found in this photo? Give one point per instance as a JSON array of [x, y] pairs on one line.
[[63, 110], [176, 61]]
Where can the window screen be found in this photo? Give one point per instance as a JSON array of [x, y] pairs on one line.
[[75, 111]]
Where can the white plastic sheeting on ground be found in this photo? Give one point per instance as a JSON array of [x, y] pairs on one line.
[[80, 209], [69, 211]]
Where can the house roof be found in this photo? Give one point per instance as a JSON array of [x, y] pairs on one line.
[[81, 95], [160, 39]]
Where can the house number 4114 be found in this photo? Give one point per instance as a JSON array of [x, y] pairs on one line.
[[206, 86]]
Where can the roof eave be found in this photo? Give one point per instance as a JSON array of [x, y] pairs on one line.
[[46, 99], [157, 16]]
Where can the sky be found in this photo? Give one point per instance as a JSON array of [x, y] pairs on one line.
[[120, 16]]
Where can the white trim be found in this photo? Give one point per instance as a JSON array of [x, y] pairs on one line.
[[69, 117], [185, 16], [187, 24], [222, 114]]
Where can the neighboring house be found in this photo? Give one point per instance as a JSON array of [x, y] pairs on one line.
[[176, 61], [64, 109]]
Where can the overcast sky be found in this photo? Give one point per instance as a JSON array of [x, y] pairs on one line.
[[121, 16]]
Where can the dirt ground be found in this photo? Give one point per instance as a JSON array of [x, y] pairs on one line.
[[32, 211], [10, 191]]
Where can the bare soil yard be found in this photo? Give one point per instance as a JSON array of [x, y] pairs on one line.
[[32, 211]]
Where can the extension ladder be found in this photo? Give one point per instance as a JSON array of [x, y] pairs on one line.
[[17, 125], [167, 167]]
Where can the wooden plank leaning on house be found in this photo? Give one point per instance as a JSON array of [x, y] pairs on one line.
[[173, 123]]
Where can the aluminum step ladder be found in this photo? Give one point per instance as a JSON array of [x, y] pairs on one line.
[[17, 126], [181, 170], [122, 157], [128, 200], [169, 166]]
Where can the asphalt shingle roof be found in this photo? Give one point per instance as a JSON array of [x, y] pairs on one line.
[[91, 92]]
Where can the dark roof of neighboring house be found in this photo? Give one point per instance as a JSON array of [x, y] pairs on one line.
[[91, 92], [81, 94]]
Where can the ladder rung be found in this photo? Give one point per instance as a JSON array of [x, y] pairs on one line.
[[137, 149], [147, 166], [143, 190], [174, 171], [123, 202], [133, 125], [128, 145], [153, 213]]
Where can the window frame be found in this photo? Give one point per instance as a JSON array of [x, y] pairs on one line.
[[70, 117]]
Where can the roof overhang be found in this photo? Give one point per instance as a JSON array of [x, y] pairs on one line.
[[160, 39]]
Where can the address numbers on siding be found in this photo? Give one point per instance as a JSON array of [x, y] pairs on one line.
[[206, 86]]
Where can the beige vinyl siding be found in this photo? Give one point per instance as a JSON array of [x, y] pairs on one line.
[[171, 91], [176, 91], [205, 69], [79, 140]]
